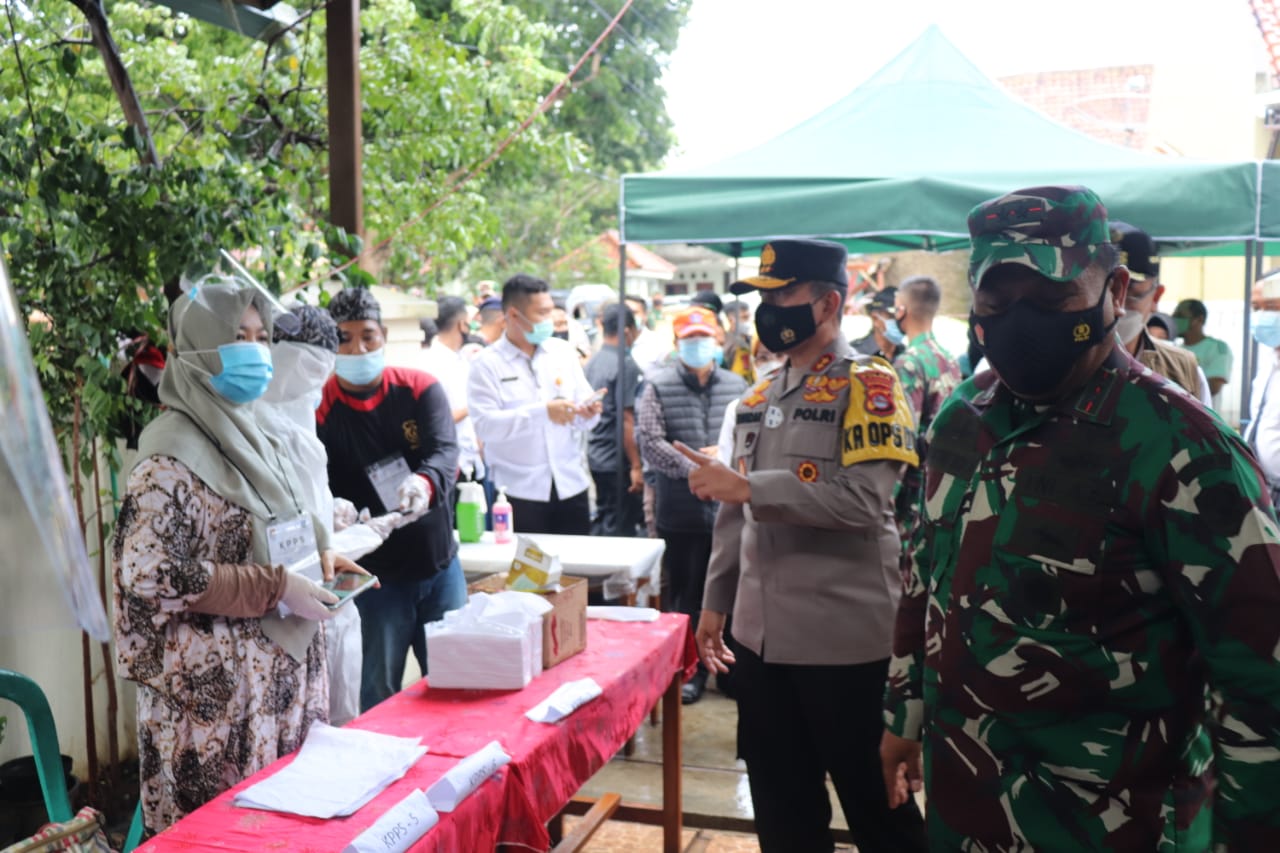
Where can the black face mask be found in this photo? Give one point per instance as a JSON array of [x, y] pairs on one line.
[[1032, 349], [564, 336], [782, 327]]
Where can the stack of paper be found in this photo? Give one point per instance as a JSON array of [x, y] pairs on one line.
[[336, 772], [493, 643]]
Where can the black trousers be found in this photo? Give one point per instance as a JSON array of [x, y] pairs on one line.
[[570, 515], [684, 573], [796, 724], [612, 518]]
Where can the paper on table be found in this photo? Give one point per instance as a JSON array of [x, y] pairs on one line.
[[336, 772], [397, 829], [466, 776], [566, 699], [621, 614]]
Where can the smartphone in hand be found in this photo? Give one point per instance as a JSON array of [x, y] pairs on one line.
[[347, 585]]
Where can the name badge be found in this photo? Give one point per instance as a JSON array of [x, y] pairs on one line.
[[386, 477], [291, 541]]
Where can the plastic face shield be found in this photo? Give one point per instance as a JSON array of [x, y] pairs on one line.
[[231, 271]]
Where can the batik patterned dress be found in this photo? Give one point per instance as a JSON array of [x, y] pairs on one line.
[[217, 699]]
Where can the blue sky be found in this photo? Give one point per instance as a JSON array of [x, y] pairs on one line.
[[745, 70]]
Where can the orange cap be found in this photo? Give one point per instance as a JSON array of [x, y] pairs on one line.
[[695, 321]]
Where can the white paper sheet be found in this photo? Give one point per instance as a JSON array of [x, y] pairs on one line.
[[566, 699], [335, 773], [397, 829], [621, 614], [465, 776]]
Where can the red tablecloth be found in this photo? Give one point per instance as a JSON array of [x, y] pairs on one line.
[[633, 662]]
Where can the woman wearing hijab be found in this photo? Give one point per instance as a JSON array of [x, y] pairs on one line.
[[227, 680]]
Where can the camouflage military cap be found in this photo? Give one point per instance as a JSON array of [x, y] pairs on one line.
[[1056, 231]]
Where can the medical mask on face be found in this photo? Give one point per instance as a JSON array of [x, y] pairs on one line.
[[697, 352], [361, 369], [893, 332], [246, 371], [1033, 349], [782, 327], [1130, 326], [767, 367], [718, 356], [540, 331], [1265, 326]]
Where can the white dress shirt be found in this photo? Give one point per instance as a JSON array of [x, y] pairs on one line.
[[453, 371], [508, 394], [1264, 411]]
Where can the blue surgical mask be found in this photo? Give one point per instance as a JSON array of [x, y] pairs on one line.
[[1266, 328], [719, 355], [893, 332], [540, 332], [246, 371], [697, 352], [362, 369]]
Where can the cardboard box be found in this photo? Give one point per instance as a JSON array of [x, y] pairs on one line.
[[564, 629]]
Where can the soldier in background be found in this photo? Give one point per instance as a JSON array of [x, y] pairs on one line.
[[928, 373], [1097, 554], [1138, 254], [805, 554]]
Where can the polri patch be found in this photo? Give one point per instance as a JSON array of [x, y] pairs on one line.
[[878, 423], [807, 472]]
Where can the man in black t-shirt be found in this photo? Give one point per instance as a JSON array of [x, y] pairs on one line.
[[602, 445], [390, 438]]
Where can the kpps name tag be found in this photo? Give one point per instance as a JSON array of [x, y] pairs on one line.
[[291, 541], [386, 477]]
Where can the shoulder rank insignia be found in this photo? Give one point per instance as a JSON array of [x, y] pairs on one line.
[[756, 397], [878, 424], [823, 389], [822, 363]]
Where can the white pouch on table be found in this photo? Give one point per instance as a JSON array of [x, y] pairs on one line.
[[465, 776], [566, 699]]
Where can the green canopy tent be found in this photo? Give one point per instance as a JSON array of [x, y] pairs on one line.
[[899, 161]]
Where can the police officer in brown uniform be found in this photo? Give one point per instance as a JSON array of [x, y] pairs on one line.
[[805, 554]]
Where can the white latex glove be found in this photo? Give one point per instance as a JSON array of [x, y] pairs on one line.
[[345, 514], [306, 598], [383, 525], [415, 495]]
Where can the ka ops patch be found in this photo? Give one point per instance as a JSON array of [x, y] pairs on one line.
[[878, 423]]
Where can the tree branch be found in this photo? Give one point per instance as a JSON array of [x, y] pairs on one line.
[[119, 76]]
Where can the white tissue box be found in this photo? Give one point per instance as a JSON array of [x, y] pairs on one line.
[[492, 643]]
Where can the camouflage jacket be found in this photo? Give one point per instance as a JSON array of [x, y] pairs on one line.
[[928, 376], [1084, 575]]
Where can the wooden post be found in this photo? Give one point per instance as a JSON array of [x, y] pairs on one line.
[[346, 190], [672, 759]]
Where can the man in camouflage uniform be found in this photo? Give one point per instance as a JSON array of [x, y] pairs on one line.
[[805, 554], [1096, 554], [928, 372]]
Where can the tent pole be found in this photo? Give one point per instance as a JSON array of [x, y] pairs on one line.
[[624, 464], [1248, 356]]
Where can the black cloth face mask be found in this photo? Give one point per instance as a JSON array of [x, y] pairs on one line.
[[782, 327], [1033, 349]]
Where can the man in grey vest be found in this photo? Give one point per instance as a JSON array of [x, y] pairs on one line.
[[685, 402], [805, 555]]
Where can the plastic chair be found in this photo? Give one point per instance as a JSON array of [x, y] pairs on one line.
[[30, 698]]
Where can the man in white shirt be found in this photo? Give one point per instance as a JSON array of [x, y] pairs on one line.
[[529, 398], [443, 359], [650, 351], [1263, 432]]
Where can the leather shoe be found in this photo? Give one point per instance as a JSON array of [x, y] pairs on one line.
[[692, 690]]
